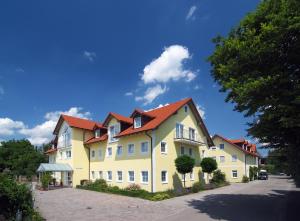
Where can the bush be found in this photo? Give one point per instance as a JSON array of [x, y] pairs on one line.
[[196, 187], [160, 196], [218, 177], [245, 179], [133, 187], [45, 179], [114, 189]]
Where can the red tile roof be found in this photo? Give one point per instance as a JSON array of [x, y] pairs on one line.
[[98, 139], [235, 145], [244, 142], [119, 117]]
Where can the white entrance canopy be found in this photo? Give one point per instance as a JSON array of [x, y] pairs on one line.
[[54, 167]]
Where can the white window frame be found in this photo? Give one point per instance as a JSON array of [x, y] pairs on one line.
[[97, 133], [121, 147], [142, 152], [143, 182], [128, 178], [166, 148], [93, 175], [221, 144], [107, 153], [192, 176], [116, 130], [107, 176], [93, 154], [222, 157], [190, 152], [192, 133], [161, 176], [182, 148], [137, 124], [234, 158], [130, 154], [117, 176], [234, 176]]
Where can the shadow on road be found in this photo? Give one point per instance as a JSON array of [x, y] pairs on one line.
[[242, 207]]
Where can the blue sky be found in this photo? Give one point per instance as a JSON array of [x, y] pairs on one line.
[[87, 58]]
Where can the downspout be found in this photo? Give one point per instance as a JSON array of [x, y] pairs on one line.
[[151, 149]]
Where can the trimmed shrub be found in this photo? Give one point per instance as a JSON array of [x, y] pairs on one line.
[[196, 187], [184, 164], [245, 179], [133, 187], [160, 196], [218, 177]]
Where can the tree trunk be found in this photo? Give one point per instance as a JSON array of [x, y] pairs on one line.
[[184, 180]]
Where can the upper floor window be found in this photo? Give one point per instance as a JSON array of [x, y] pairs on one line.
[[109, 151], [64, 139], [100, 153], [182, 150], [119, 150], [192, 135], [234, 158], [113, 131], [222, 159], [190, 151], [163, 147], [185, 108], [69, 154], [130, 149], [144, 147], [221, 146], [137, 122], [93, 154], [179, 130], [97, 133]]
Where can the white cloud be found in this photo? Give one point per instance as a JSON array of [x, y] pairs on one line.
[[152, 93], [168, 66], [128, 94], [20, 70], [159, 106], [89, 55], [191, 13], [1, 90], [8, 126], [201, 110]]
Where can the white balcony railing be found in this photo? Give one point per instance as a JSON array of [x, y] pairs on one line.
[[187, 136]]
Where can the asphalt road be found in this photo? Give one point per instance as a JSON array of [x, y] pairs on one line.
[[276, 199]]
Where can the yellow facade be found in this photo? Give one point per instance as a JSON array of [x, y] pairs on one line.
[[229, 165]]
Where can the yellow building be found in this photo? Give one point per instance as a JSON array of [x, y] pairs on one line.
[[138, 149], [234, 157]]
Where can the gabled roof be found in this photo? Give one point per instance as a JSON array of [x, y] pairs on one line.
[[245, 143], [119, 117], [161, 114], [98, 139], [235, 145], [76, 122]]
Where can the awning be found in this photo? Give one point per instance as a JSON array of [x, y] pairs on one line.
[[54, 167]]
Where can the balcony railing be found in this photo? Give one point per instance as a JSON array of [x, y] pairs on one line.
[[187, 136]]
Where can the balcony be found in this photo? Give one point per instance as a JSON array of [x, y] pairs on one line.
[[187, 137]]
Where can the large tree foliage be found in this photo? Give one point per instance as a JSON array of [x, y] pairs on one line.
[[184, 164], [258, 65], [208, 165], [20, 157]]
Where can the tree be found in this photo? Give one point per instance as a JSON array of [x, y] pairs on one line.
[[20, 157], [258, 65], [184, 164], [208, 165]]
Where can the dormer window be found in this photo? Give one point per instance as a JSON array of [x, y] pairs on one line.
[[137, 122], [97, 133]]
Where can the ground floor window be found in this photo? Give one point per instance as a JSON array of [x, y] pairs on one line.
[[192, 176], [164, 176], [93, 175], [109, 176], [130, 176], [144, 177], [100, 175], [119, 176], [234, 174]]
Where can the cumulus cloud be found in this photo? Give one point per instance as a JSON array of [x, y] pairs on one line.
[[201, 110], [168, 66], [151, 93], [128, 94], [89, 55], [9, 127], [191, 13]]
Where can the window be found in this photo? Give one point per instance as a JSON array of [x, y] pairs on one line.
[[93, 154], [130, 176], [213, 148], [203, 153], [144, 147], [137, 122], [69, 154], [221, 146], [163, 147], [164, 176], [234, 158], [109, 176], [112, 132], [61, 155], [190, 151], [93, 175], [109, 151], [144, 176], [97, 133], [64, 139], [185, 108], [222, 159], [234, 174], [182, 150], [192, 177], [100, 153], [119, 176], [179, 130], [130, 149], [119, 150], [100, 175], [192, 134]]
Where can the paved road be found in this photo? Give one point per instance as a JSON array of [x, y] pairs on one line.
[[275, 199]]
